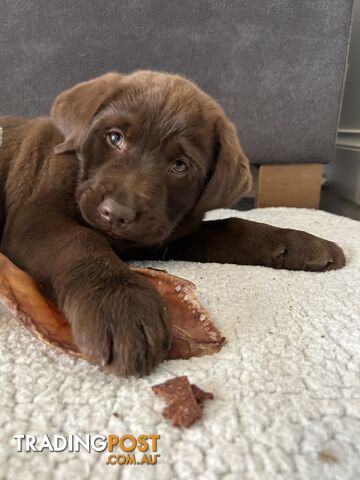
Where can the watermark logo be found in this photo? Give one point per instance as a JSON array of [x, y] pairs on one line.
[[123, 450]]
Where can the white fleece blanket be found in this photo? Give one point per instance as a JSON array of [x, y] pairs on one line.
[[286, 384]]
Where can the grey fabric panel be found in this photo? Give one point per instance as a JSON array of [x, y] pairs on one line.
[[276, 66]]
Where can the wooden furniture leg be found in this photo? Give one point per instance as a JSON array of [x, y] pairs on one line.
[[289, 185]]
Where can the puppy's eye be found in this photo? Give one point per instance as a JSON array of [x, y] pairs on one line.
[[179, 167], [115, 138]]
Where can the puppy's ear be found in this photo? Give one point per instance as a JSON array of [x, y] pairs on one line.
[[230, 178], [73, 109]]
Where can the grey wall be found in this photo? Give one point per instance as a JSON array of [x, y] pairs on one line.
[[350, 114], [277, 66], [344, 173]]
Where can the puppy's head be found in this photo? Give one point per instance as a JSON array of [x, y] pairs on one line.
[[154, 152]]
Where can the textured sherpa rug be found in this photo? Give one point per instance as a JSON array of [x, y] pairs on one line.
[[286, 384]]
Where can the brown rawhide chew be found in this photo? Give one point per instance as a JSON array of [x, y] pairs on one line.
[[184, 400], [194, 333]]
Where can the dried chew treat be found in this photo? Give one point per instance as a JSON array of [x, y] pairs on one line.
[[193, 329], [168, 389], [184, 400], [201, 395], [183, 409], [194, 333]]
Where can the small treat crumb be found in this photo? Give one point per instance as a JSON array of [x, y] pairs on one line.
[[327, 456], [184, 400]]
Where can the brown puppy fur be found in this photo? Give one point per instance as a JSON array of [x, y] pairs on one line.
[[126, 168]]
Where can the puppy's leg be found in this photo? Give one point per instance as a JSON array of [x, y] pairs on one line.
[[243, 242], [117, 317]]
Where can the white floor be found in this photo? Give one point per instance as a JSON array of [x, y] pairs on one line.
[[286, 384]]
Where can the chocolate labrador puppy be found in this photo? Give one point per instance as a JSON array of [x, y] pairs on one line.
[[125, 168]]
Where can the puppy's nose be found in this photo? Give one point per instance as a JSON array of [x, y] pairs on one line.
[[112, 212]]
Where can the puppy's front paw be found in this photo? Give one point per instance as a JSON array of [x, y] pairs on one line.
[[125, 327], [297, 250]]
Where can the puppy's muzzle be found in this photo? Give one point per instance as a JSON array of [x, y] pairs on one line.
[[116, 215]]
